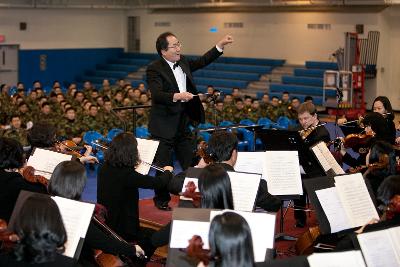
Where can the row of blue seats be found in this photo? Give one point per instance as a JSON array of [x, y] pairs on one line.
[[220, 82], [299, 89], [107, 73], [310, 81], [117, 67], [240, 68], [317, 73], [227, 60], [234, 75], [129, 61], [321, 65]]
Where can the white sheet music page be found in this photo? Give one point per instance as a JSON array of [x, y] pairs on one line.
[[282, 172], [147, 150], [333, 208], [355, 198], [251, 162], [262, 227], [394, 233], [76, 216], [45, 161], [183, 231], [337, 259], [377, 248], [322, 160], [244, 189], [327, 155]]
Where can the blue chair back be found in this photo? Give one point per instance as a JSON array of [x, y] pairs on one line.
[[90, 136], [247, 122], [142, 132], [113, 132], [283, 121], [266, 122]]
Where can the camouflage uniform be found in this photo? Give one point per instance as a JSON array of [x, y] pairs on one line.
[[228, 112], [142, 120], [254, 114], [50, 118], [70, 129], [273, 113], [290, 112], [18, 134], [238, 115], [263, 109], [93, 123]]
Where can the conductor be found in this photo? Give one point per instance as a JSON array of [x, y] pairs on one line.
[[175, 102]]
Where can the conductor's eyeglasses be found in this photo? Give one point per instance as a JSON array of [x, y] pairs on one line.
[[177, 45]]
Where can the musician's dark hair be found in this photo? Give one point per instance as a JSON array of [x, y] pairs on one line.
[[230, 241], [221, 145], [11, 154], [68, 180], [389, 188], [378, 149], [386, 104], [379, 126], [41, 230], [123, 151], [42, 135], [215, 188], [162, 43]]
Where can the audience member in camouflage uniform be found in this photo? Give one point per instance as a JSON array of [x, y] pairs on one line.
[[142, 117], [291, 110], [16, 131], [46, 115], [92, 121], [239, 113], [274, 111], [255, 112], [70, 127], [285, 100]]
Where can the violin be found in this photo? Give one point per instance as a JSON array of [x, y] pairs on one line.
[[382, 163], [29, 175], [204, 154], [306, 132], [71, 147], [358, 142], [7, 238]]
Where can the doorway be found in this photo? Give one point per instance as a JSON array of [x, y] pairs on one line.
[[133, 34], [9, 64]]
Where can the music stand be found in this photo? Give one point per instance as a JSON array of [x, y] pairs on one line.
[[134, 114], [285, 140]]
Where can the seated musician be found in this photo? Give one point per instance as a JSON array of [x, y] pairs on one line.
[[68, 180], [312, 132], [230, 242], [118, 189], [42, 235], [222, 147], [11, 181]]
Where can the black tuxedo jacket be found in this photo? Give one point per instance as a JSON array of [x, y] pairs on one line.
[[165, 114]]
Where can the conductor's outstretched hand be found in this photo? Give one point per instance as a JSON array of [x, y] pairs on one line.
[[228, 39]]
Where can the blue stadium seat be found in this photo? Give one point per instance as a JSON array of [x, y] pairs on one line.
[[142, 132], [283, 121], [266, 122], [113, 132]]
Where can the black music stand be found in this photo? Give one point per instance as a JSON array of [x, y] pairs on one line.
[[134, 115]]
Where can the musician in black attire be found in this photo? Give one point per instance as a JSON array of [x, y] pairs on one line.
[[383, 106], [314, 133], [118, 189], [11, 181]]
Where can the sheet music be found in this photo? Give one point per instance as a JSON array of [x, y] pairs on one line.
[[326, 158], [378, 250], [76, 216], [282, 172], [262, 227], [45, 161], [183, 231], [147, 151], [333, 209], [336, 259], [244, 189], [355, 198], [251, 162]]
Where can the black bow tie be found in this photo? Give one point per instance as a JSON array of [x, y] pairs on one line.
[[175, 65]]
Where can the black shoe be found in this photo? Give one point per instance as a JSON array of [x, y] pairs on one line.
[[162, 206], [300, 224]]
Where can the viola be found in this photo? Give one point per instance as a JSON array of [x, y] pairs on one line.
[[382, 163], [70, 147]]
